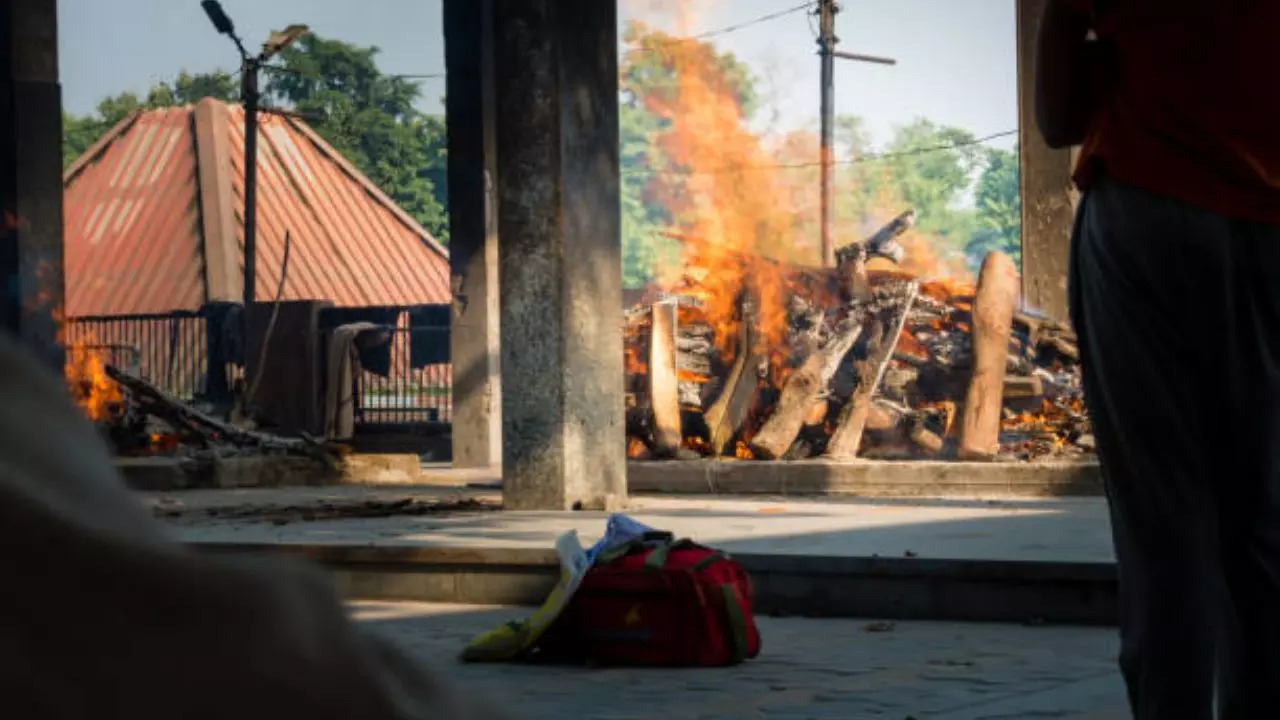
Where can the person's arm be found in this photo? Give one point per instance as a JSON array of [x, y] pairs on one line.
[[1064, 60]]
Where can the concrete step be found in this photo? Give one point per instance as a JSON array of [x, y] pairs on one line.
[[786, 585], [858, 478], [867, 478]]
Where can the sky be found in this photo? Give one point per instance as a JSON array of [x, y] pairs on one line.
[[956, 58]]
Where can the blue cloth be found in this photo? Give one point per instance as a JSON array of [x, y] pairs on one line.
[[620, 530]]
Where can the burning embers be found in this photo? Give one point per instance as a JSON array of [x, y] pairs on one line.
[[864, 360], [138, 418], [102, 399], [93, 391]]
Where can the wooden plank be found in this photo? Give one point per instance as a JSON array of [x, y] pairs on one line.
[[800, 391], [1016, 388], [847, 437], [992, 324], [664, 385], [730, 410]]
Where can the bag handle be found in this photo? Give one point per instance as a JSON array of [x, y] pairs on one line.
[[657, 559], [663, 537]]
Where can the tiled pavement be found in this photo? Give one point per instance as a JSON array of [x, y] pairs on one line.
[[845, 669]]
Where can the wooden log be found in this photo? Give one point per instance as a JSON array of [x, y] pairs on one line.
[[1017, 388], [817, 414], [992, 323], [664, 384], [154, 401], [801, 389], [730, 409], [927, 441], [882, 243], [883, 417], [690, 394], [852, 422], [852, 268]]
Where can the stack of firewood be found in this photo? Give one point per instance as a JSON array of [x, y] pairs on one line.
[[875, 364]]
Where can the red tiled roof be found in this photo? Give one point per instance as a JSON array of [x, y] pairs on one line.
[[154, 220]]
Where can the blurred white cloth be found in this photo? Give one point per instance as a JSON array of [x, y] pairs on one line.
[[102, 615]]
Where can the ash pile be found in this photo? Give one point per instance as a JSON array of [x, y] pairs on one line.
[[751, 358]]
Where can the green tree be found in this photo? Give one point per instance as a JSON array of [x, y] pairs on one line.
[[366, 115], [370, 118], [932, 166], [81, 132], [998, 200], [859, 178]]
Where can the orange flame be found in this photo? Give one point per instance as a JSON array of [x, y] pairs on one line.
[[92, 389], [736, 213]]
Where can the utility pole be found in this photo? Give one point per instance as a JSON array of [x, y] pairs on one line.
[[827, 40], [827, 10], [250, 96], [250, 66]]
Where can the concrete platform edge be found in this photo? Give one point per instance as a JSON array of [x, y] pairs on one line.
[[698, 477], [867, 478], [786, 585]]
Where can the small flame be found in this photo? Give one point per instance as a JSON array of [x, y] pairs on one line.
[[92, 389], [164, 442], [636, 449]]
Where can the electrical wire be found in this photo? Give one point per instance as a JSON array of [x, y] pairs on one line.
[[854, 161], [727, 29]]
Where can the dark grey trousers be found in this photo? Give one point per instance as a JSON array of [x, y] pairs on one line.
[[1178, 312]]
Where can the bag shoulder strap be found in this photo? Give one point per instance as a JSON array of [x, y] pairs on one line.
[[737, 621]]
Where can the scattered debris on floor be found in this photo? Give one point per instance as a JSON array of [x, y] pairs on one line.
[[324, 510]]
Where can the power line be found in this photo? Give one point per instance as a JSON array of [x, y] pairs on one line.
[[280, 69], [727, 29], [853, 161]]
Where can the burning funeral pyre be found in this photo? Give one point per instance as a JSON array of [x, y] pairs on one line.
[[754, 358], [139, 419]]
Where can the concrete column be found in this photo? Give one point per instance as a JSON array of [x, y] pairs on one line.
[[473, 233], [1048, 202], [31, 175], [556, 72]]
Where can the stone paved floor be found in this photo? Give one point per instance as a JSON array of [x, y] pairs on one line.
[[1050, 530], [827, 669]]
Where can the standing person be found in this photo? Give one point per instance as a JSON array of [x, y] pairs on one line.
[[1175, 295]]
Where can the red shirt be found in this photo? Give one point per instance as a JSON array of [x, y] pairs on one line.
[[1194, 109]]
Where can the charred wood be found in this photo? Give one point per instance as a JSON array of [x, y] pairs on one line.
[[188, 420], [801, 389], [730, 409], [847, 437]]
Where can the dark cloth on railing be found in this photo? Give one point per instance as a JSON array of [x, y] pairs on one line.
[[428, 335], [374, 358]]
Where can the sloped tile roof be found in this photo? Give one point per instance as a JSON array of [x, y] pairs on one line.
[[154, 220]]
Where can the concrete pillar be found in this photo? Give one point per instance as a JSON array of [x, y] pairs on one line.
[[556, 71], [31, 175], [1048, 202], [473, 233]]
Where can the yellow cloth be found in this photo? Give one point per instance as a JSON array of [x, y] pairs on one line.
[[510, 641]]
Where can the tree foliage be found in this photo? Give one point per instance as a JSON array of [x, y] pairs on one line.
[[366, 115], [999, 206]]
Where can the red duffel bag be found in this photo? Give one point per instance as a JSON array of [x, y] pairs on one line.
[[673, 604]]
